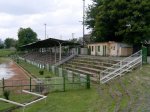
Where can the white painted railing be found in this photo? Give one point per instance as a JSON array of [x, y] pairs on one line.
[[25, 104], [121, 67], [65, 60]]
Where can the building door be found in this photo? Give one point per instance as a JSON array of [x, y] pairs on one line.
[[104, 50], [96, 50]]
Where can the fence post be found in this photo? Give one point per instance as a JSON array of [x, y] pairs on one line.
[[144, 55], [3, 84], [88, 81], [64, 83], [30, 84]]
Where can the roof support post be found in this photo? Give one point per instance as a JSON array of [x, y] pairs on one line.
[[55, 53], [60, 51]]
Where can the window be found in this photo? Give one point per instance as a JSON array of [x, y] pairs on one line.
[[98, 48], [92, 48], [114, 48]]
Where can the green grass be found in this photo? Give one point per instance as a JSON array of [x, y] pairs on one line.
[[16, 97], [129, 93], [6, 52], [35, 70], [70, 101]]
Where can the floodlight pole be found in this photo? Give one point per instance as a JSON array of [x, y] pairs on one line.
[[83, 21], [45, 30]]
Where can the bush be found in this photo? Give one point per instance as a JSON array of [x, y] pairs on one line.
[[6, 94], [41, 72], [47, 76]]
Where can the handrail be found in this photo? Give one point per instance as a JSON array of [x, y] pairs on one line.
[[64, 60], [121, 62], [121, 67]]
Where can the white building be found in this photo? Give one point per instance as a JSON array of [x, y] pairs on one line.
[[110, 49]]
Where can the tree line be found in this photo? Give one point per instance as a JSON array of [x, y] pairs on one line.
[[119, 20], [25, 36]]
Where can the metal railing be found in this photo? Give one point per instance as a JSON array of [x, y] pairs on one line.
[[121, 67], [65, 60]]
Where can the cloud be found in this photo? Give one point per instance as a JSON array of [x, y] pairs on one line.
[[61, 16]]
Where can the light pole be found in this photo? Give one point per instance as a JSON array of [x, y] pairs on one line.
[[83, 21], [45, 30]]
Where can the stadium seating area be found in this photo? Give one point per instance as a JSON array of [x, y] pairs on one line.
[[91, 65], [43, 57]]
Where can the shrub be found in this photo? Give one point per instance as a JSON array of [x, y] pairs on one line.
[[41, 72], [6, 94], [47, 76]]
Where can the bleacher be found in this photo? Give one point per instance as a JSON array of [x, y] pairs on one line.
[[43, 57], [90, 65]]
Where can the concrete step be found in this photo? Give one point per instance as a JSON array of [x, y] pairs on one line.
[[90, 69], [81, 71], [100, 67], [101, 60], [93, 62]]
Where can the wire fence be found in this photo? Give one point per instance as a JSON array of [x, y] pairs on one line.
[[68, 81], [64, 80]]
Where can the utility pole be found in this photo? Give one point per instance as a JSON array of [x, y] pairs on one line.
[[45, 31], [83, 21], [73, 35]]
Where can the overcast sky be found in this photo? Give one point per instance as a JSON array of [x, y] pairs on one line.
[[61, 16]]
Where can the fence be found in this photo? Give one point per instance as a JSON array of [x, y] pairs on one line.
[[64, 80], [68, 81]]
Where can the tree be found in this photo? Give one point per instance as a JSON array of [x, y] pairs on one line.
[[119, 20], [10, 42], [26, 36], [1, 44]]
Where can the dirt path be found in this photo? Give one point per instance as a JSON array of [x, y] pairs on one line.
[[19, 74]]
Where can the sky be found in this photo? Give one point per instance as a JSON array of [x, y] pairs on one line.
[[62, 17]]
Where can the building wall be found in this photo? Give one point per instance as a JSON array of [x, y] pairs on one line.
[[125, 51], [112, 49], [84, 51], [97, 49]]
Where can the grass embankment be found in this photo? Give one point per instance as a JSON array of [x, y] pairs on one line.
[[6, 52], [34, 71], [129, 93]]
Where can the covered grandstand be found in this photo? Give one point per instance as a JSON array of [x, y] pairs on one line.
[[52, 53], [49, 51]]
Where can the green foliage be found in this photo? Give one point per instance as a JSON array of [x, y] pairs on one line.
[[119, 20], [6, 52], [26, 36], [10, 42], [1, 45], [41, 72], [6, 94]]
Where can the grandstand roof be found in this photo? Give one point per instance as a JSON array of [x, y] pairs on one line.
[[50, 42]]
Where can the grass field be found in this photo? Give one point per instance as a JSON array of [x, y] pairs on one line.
[[35, 70], [129, 93], [6, 52]]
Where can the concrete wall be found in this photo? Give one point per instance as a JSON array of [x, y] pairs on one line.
[[125, 51], [98, 49], [84, 51], [111, 49]]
